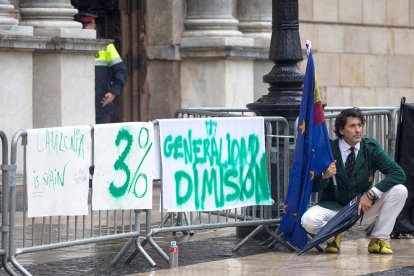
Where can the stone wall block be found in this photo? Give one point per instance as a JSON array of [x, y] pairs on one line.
[[399, 71], [403, 41], [16, 93], [398, 12], [375, 73], [306, 10], [412, 75], [327, 68], [261, 68], [380, 41], [325, 10], [350, 11], [77, 89], [351, 70], [375, 12], [392, 96], [356, 40], [338, 96], [310, 32], [198, 89], [217, 83], [239, 83], [331, 38], [369, 96], [411, 12]]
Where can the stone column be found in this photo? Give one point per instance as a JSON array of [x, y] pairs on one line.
[[285, 78], [52, 18], [255, 21], [5, 17], [210, 18], [63, 74], [9, 24], [15, 71], [216, 59]]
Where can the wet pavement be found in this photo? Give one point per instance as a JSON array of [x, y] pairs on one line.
[[210, 252]]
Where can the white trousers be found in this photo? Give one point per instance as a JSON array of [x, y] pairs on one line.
[[387, 208]]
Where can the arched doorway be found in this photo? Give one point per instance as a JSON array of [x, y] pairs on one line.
[[123, 21]]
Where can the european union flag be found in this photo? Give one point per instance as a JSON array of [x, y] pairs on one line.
[[312, 156]]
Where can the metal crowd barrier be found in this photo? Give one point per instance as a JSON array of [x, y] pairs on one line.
[[381, 124], [202, 112], [5, 229], [29, 235], [258, 217], [21, 234]]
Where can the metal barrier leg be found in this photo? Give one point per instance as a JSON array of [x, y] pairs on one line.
[[121, 253], [5, 216], [19, 267], [133, 255], [277, 236], [12, 214], [5, 228], [134, 240], [186, 216], [149, 238], [166, 218], [158, 249], [6, 266], [269, 243], [249, 236], [178, 222], [145, 254], [136, 251]]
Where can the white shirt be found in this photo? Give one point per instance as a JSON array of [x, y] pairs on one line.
[[345, 150]]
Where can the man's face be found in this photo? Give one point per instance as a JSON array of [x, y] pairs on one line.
[[352, 131], [90, 26]]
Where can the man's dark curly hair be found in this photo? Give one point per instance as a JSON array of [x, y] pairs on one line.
[[340, 120]]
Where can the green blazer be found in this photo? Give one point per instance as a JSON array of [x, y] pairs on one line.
[[371, 158]]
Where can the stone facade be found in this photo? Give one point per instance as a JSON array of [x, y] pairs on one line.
[[363, 51], [47, 66], [202, 55]]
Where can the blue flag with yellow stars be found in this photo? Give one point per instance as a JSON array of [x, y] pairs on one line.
[[312, 156]]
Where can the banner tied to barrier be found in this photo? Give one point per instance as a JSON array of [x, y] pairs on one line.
[[213, 163], [58, 161]]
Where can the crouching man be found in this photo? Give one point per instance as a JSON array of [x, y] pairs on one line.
[[356, 161]]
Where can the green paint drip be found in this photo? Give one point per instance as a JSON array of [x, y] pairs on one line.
[[243, 176], [123, 135]]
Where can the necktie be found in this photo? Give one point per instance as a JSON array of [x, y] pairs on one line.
[[350, 161]]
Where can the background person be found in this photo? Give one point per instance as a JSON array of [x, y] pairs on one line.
[[110, 74], [356, 161]]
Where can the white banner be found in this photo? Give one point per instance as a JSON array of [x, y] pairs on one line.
[[123, 176], [58, 161], [213, 163]]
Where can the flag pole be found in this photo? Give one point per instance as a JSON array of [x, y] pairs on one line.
[[308, 49]]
